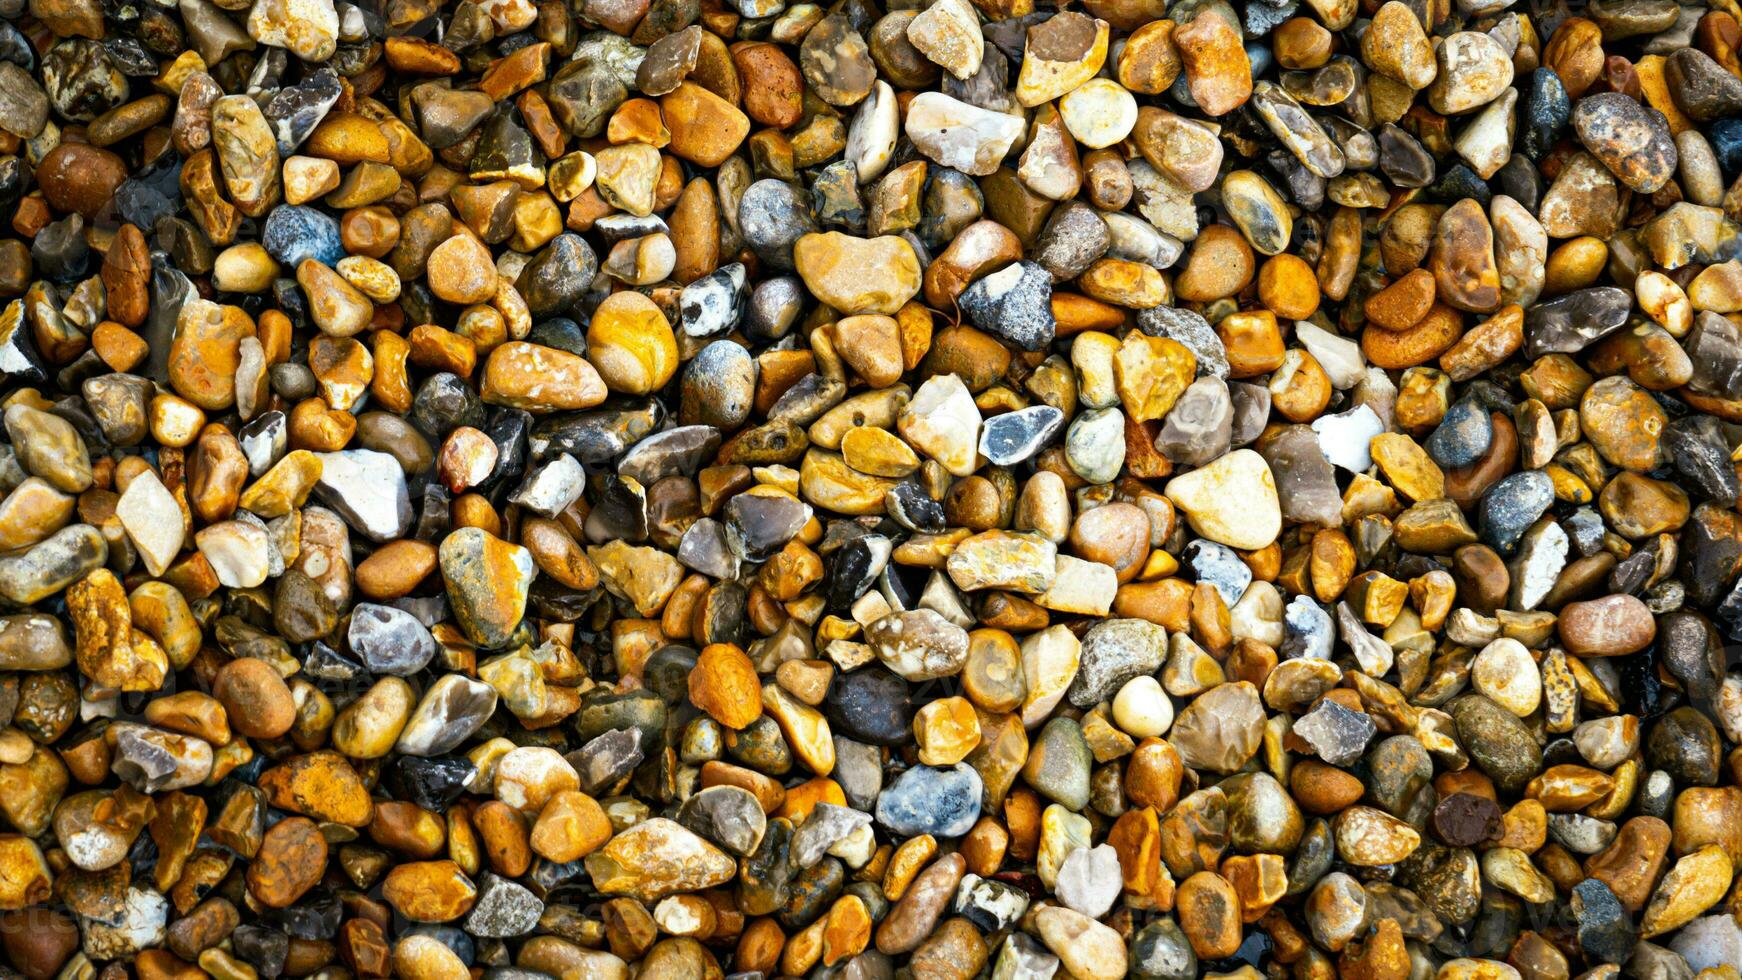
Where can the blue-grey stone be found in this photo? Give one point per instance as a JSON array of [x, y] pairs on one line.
[[1511, 506], [1307, 629], [1218, 565], [293, 233], [1543, 112], [772, 215], [928, 800], [1014, 303], [1605, 930], [390, 641], [1462, 436], [1012, 437]]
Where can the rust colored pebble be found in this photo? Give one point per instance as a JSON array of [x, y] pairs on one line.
[[291, 860], [255, 698]]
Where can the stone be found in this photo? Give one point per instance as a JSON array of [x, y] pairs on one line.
[[1232, 501], [1013, 303], [833, 266], [958, 135], [487, 582], [943, 802]]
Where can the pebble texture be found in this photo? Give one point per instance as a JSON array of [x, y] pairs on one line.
[[689, 489]]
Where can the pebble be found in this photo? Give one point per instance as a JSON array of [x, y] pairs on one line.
[[1256, 551], [943, 802], [1085, 947], [958, 135], [1232, 501]]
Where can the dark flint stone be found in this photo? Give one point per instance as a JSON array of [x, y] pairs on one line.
[[854, 566], [549, 875], [330, 667], [1014, 304], [1518, 179], [293, 112], [1692, 651], [640, 709], [606, 759], [595, 436], [1402, 159], [761, 746], [1498, 922], [909, 505], [1570, 323], [667, 672], [765, 877], [619, 513], [556, 279], [1543, 112], [316, 915], [871, 704], [433, 784], [757, 526], [1714, 345], [835, 192], [145, 198], [261, 947], [59, 251], [811, 892], [1605, 930], [560, 332], [1685, 744], [1312, 857], [1711, 557], [1511, 506], [507, 428], [1459, 182], [1697, 447], [443, 403]]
